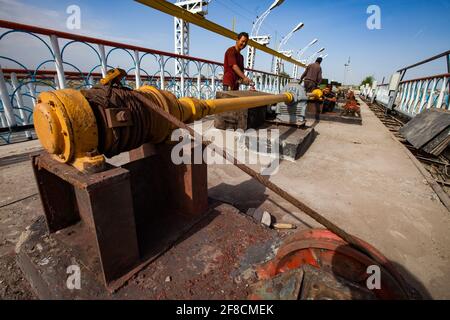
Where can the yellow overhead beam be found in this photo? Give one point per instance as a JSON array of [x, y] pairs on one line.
[[173, 10]]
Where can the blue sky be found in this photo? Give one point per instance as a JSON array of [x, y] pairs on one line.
[[411, 30]]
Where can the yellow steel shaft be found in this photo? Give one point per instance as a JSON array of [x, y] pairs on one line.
[[195, 109], [233, 104]]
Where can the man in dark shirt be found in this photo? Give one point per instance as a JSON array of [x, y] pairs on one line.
[[329, 99], [312, 76], [234, 65]]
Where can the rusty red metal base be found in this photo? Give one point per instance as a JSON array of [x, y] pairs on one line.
[[333, 258], [124, 216], [214, 259]]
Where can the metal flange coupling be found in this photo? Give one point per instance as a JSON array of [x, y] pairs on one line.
[[67, 129]]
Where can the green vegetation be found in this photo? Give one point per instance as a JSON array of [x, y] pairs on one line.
[[368, 80]]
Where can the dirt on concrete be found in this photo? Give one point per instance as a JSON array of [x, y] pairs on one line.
[[13, 285], [19, 207], [216, 260]]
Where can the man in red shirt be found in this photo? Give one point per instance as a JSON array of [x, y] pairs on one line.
[[234, 65]]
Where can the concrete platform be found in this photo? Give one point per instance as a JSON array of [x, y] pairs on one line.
[[292, 142], [335, 117]]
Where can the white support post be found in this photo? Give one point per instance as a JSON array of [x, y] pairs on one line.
[[162, 75], [19, 100], [431, 94], [32, 92], [182, 81], [103, 62], [7, 107], [56, 81], [199, 85], [213, 86], [440, 100], [295, 72], [91, 82], [58, 62], [137, 70], [3, 121]]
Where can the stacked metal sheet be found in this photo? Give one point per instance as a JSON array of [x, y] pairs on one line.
[[429, 131]]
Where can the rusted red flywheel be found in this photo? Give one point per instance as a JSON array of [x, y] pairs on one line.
[[325, 250]]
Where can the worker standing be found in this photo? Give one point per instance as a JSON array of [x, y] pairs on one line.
[[234, 65], [312, 77]]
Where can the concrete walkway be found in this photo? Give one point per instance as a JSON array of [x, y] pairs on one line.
[[362, 179]]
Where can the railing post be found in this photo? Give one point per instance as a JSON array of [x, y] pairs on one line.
[[199, 81], [103, 62], [162, 72], [393, 96], [213, 85], [448, 63], [19, 100], [137, 69], [3, 121], [32, 92], [182, 78], [430, 97], [440, 99], [90, 82], [56, 81], [58, 62], [9, 111]]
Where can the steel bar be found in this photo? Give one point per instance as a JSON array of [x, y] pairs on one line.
[[173, 10], [230, 104], [444, 54]]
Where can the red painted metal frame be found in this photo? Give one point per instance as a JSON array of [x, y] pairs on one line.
[[427, 78], [71, 36]]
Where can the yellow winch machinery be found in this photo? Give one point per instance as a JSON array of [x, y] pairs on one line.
[[80, 127]]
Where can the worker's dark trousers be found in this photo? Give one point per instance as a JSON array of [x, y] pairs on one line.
[[309, 85], [229, 88], [328, 106]]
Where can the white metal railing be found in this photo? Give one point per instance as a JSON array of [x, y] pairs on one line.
[[382, 94], [411, 97], [420, 94]]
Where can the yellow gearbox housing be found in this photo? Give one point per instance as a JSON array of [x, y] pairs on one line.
[[317, 94], [67, 129]]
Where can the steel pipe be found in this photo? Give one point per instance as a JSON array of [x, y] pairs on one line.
[[80, 127]]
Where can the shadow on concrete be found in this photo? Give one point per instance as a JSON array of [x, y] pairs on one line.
[[249, 194], [314, 124], [246, 195]]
